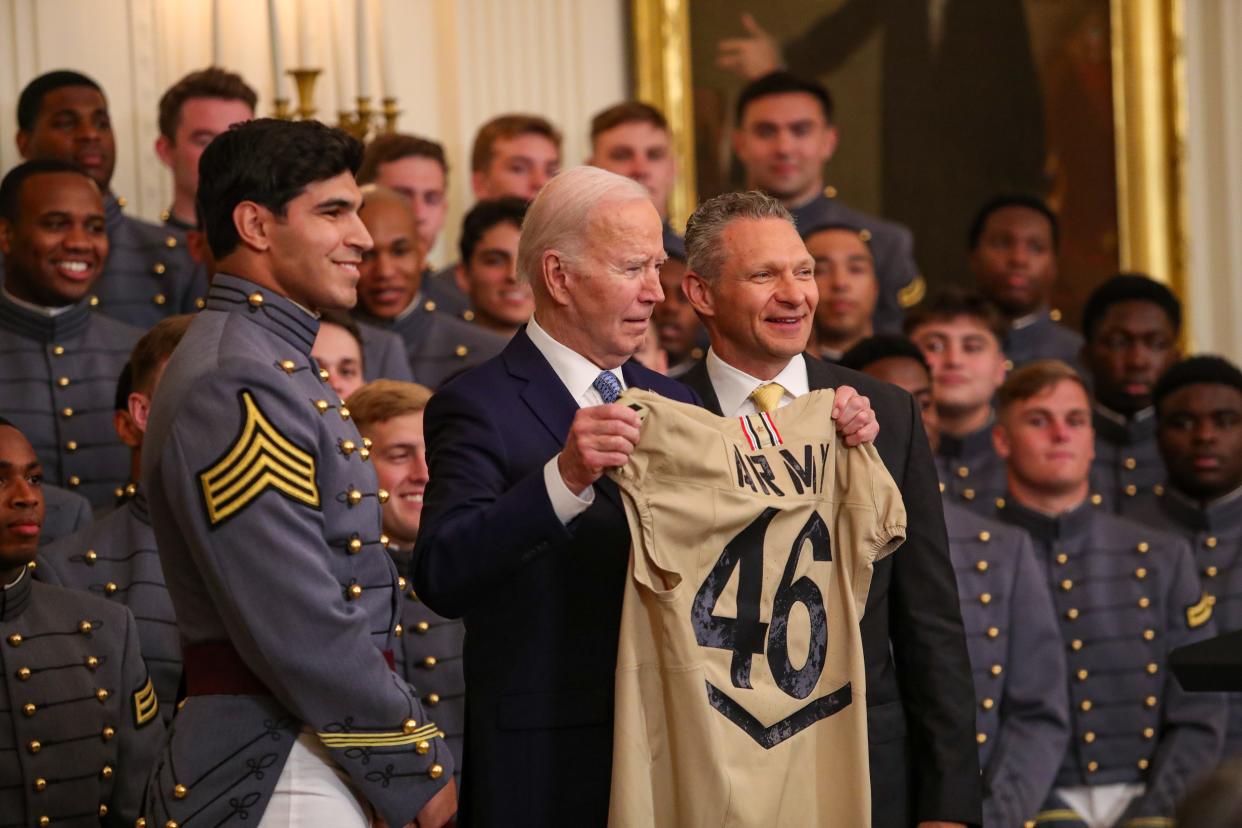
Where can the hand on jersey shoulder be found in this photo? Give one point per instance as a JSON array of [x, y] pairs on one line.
[[856, 422]]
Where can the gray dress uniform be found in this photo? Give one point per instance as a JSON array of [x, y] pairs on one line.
[[1126, 596], [267, 517], [383, 355], [115, 558], [1215, 535], [439, 346], [891, 244], [80, 725], [58, 385], [441, 287], [63, 513], [972, 472], [1018, 664], [1127, 459], [430, 658], [1042, 336]]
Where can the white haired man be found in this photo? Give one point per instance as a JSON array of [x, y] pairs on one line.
[[520, 534]]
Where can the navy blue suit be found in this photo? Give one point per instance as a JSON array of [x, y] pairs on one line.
[[541, 600]]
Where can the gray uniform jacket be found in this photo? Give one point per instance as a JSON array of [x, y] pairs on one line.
[[1126, 595], [1041, 336], [115, 558], [1215, 535], [439, 346], [891, 244], [80, 724], [267, 517], [63, 513], [430, 658], [58, 385], [1127, 459], [383, 355], [972, 473], [1018, 664], [441, 288]]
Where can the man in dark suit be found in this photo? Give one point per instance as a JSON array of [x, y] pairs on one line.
[[751, 280], [520, 535]]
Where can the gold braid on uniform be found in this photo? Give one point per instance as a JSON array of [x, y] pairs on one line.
[[146, 705], [260, 458]]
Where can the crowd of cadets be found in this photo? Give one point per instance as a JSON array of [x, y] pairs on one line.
[[1089, 479]]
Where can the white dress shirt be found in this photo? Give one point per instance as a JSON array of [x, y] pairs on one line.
[[577, 374], [733, 386]]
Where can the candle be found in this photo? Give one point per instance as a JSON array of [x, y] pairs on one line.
[[388, 74], [363, 52], [216, 33], [339, 69], [278, 63], [304, 48]]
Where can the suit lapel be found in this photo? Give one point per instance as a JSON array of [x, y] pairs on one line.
[[819, 374], [699, 380], [545, 395]]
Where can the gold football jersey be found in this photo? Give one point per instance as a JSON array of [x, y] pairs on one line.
[[740, 690]]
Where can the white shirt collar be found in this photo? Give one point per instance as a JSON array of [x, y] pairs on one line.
[[575, 371], [733, 386], [42, 310]]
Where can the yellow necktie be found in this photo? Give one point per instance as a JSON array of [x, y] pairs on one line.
[[767, 396]]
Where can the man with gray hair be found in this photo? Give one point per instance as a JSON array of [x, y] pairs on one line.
[[521, 535], [751, 280]]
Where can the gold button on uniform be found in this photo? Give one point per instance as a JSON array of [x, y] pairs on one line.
[[108, 733], [1149, 702], [1076, 644], [423, 747], [15, 640], [981, 737], [1093, 766], [1140, 573], [159, 299], [409, 726], [429, 305], [344, 412], [63, 382], [993, 632], [58, 350], [255, 299], [92, 662], [422, 626], [35, 746], [435, 771], [461, 350], [1142, 764], [1142, 548], [171, 242], [103, 810], [429, 661], [1210, 542], [29, 710], [1096, 499], [1149, 635], [985, 536], [985, 598], [159, 269], [1067, 585], [347, 447], [180, 791], [355, 545], [1210, 572], [323, 374], [997, 669], [85, 627], [401, 583], [1153, 668], [1144, 602], [321, 406], [1088, 737], [963, 471], [366, 442], [382, 494], [72, 445], [1130, 463], [66, 412], [355, 591], [354, 497], [40, 784], [288, 366], [74, 481], [968, 494], [23, 674], [1131, 490], [1062, 559], [432, 699], [982, 566], [1000, 503], [398, 630], [44, 820], [1081, 675], [109, 588], [467, 315], [1071, 614], [106, 772], [987, 704], [101, 694], [1149, 733]]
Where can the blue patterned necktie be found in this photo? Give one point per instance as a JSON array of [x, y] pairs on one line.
[[608, 386]]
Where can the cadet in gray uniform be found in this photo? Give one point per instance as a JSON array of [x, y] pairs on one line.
[[1126, 596], [389, 416], [1131, 324], [1199, 411], [116, 557], [267, 517], [437, 345], [59, 359], [79, 719], [960, 334], [772, 114], [1013, 255], [149, 273], [1011, 629], [64, 513]]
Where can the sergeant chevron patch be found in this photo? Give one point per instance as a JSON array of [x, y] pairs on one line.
[[260, 458], [1198, 614], [146, 705]]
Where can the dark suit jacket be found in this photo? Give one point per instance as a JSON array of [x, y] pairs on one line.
[[541, 601], [920, 696]]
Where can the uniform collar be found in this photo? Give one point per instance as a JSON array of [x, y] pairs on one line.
[[1042, 315], [1121, 430], [279, 315], [1048, 528], [15, 597], [34, 322], [975, 444], [1221, 514]]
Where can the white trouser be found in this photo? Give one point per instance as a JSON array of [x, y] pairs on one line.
[[1100, 806], [313, 792]]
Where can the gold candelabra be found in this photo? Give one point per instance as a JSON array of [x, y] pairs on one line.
[[363, 123]]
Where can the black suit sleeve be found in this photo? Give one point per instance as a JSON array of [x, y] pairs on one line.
[[833, 38], [929, 647]]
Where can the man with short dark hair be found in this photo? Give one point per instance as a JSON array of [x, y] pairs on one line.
[[1011, 628], [632, 139], [266, 512], [62, 359], [80, 717], [960, 334], [1131, 324], [751, 280], [678, 330], [487, 271], [1126, 596], [437, 346], [1198, 406], [783, 136], [192, 112], [1013, 255], [116, 556], [148, 275], [848, 289]]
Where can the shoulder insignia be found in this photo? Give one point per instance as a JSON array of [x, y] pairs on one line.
[[1198, 614], [913, 293], [260, 458], [146, 705]]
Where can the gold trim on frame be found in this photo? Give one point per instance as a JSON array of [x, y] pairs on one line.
[[1149, 111], [662, 79]]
